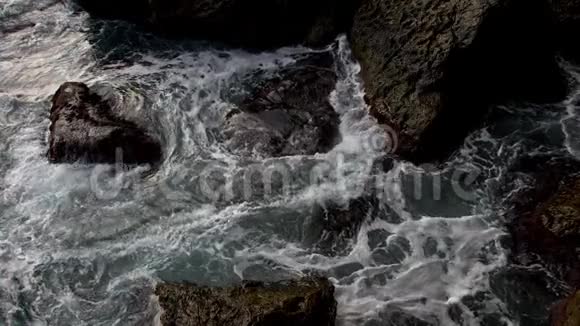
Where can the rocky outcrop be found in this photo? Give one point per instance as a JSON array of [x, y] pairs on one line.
[[289, 114], [308, 301], [332, 227], [261, 23], [85, 129], [567, 313], [432, 68], [546, 216], [544, 224]]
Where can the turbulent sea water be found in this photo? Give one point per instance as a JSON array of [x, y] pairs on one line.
[[85, 245]]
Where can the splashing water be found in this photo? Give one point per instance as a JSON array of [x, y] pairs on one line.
[[86, 244]]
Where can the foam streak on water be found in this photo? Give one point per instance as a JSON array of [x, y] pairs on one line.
[[571, 122]]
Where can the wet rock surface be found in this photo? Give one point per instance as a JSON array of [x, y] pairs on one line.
[[289, 114], [432, 68], [526, 292], [545, 235], [545, 221], [567, 313], [308, 301], [333, 227], [85, 129]]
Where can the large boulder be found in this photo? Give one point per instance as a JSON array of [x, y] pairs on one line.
[[260, 23], [432, 68], [85, 129], [308, 301], [288, 114]]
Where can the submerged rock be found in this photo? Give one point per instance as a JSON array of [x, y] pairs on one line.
[[289, 114], [525, 290], [308, 301], [432, 68], [547, 217], [332, 227], [85, 129], [261, 23], [545, 238]]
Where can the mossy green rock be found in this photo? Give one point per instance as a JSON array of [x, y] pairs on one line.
[[308, 301]]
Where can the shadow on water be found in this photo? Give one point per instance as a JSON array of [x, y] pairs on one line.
[[120, 42]]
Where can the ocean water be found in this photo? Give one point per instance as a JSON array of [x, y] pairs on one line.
[[86, 244]]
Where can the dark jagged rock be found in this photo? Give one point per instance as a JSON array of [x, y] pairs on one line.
[[289, 114], [525, 291], [260, 23], [85, 129], [332, 227], [567, 313], [546, 217], [308, 301], [432, 68]]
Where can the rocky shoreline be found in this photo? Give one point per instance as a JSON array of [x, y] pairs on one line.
[[424, 64]]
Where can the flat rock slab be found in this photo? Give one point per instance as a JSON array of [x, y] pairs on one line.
[[306, 302], [85, 129]]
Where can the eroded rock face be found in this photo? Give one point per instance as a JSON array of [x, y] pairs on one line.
[[289, 114], [308, 301], [85, 129], [261, 23], [431, 68]]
